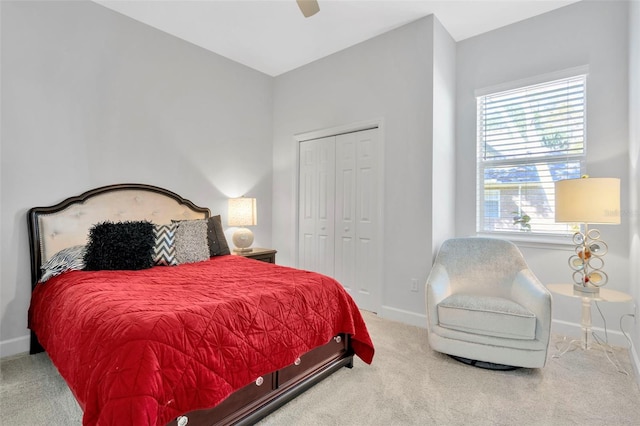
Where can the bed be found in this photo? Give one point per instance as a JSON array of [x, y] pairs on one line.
[[216, 341]]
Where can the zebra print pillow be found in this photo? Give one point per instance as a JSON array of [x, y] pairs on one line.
[[69, 259], [164, 250]]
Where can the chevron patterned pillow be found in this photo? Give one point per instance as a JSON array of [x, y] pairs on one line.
[[164, 250]]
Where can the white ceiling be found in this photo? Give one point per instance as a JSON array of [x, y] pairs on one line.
[[273, 37]]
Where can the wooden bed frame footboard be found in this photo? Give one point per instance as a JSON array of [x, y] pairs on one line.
[[273, 390], [67, 223]]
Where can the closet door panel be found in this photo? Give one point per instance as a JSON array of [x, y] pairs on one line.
[[360, 264], [367, 221], [317, 205], [346, 192]]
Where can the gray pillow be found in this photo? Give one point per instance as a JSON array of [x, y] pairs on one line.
[[191, 241]]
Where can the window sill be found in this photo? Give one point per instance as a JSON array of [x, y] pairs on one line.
[[548, 242]]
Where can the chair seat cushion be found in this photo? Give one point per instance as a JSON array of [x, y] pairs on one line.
[[487, 315]]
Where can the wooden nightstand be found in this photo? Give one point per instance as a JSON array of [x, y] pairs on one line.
[[262, 254]]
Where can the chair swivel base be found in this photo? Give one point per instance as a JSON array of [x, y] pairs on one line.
[[484, 364]]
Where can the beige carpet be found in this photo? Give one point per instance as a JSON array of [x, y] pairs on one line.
[[407, 384]]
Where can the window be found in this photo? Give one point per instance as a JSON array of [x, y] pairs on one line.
[[528, 138], [492, 203]]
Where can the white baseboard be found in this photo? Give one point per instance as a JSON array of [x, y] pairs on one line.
[[616, 338], [564, 328], [20, 345], [571, 329], [405, 317], [14, 346], [633, 354]]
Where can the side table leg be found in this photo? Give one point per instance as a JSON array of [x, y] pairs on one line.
[[586, 322]]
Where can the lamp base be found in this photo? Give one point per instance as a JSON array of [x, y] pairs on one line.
[[586, 289], [588, 262], [242, 239], [243, 250]]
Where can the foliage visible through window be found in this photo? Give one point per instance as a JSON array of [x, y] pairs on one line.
[[528, 138]]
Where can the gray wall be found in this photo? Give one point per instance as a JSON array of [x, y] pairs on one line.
[[91, 98], [595, 34], [443, 162], [634, 165], [390, 77]]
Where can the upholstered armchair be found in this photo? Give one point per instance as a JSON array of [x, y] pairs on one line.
[[485, 304]]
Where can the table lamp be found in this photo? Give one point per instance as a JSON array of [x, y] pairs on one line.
[[242, 212], [588, 201]]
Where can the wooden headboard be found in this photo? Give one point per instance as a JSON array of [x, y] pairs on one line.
[[67, 223]]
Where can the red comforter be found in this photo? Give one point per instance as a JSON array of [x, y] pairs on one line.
[[142, 347]]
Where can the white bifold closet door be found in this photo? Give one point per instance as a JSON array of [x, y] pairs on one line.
[[338, 212], [317, 205]]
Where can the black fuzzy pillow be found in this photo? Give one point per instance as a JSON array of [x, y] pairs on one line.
[[120, 246]]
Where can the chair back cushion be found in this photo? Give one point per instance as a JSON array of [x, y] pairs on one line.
[[481, 265]]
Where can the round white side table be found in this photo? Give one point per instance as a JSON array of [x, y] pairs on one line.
[[604, 295]]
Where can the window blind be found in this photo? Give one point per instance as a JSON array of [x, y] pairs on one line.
[[527, 139]]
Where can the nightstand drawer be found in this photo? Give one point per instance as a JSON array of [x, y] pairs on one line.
[[269, 258], [261, 254]]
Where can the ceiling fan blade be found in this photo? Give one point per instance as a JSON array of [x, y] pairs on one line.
[[308, 7]]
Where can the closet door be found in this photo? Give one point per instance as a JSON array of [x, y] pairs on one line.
[[357, 263], [316, 206]]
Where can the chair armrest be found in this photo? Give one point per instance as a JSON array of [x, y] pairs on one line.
[[437, 289], [529, 292]]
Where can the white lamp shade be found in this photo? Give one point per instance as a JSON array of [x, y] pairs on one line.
[[242, 212], [588, 200]]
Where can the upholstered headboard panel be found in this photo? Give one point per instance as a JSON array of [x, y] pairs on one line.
[[67, 224]]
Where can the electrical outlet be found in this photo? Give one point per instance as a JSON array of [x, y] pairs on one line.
[[414, 285]]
